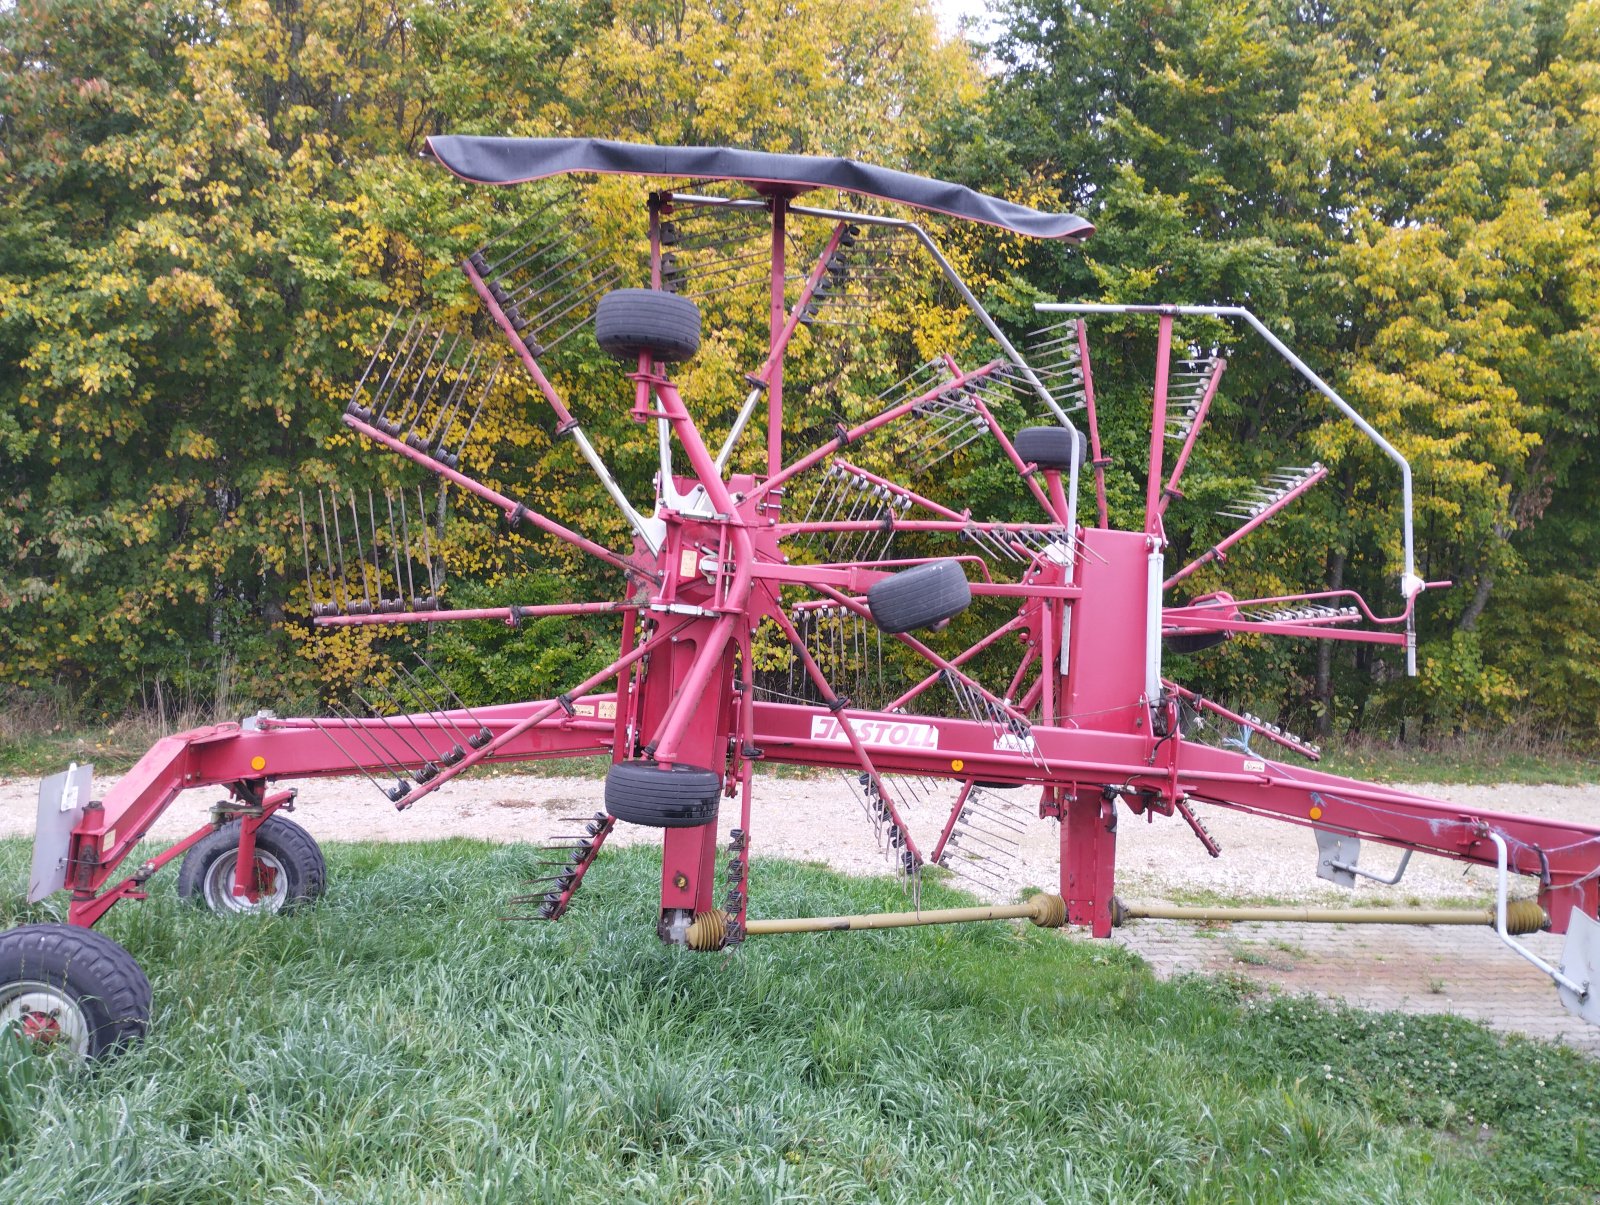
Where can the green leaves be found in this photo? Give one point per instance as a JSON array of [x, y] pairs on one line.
[[1399, 191]]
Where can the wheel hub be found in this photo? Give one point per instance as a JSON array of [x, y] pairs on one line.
[[271, 885], [45, 1017]]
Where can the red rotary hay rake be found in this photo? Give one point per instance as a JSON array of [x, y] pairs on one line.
[[1048, 678]]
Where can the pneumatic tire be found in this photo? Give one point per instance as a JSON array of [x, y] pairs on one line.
[[1048, 447], [642, 792], [629, 321], [922, 597], [290, 869], [65, 987]]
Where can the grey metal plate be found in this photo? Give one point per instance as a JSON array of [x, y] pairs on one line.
[[1580, 961], [1341, 848], [61, 800]]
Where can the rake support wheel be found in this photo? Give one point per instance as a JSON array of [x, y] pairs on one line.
[[290, 869], [630, 321], [923, 597], [64, 986], [642, 792], [1048, 447]]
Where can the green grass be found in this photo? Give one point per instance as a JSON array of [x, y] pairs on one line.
[[400, 1043], [1462, 760]]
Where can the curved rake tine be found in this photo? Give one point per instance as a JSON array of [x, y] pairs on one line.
[[426, 758], [389, 388], [483, 736], [305, 545], [377, 567], [394, 545], [435, 583], [355, 394], [327, 551], [394, 795], [405, 534], [432, 705]]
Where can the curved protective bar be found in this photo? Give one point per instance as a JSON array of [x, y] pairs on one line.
[[1410, 583], [1581, 989]]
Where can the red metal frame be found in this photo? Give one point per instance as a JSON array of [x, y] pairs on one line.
[[1097, 731]]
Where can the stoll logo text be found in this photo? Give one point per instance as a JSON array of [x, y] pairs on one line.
[[898, 733]]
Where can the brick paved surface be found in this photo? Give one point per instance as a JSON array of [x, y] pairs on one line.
[[1416, 969]]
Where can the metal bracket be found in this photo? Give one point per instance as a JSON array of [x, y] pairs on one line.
[[61, 804], [1338, 853]]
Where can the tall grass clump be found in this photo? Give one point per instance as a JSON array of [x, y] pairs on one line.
[[400, 1042]]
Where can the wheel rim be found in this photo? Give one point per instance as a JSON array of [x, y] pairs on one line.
[[272, 884], [44, 1016]]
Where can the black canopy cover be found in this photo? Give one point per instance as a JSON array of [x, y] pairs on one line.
[[518, 160]]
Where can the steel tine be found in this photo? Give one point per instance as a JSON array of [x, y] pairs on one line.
[[453, 397], [427, 547], [333, 584], [305, 545], [361, 554], [566, 251], [545, 282], [377, 567], [593, 290], [357, 763], [405, 534], [875, 497], [378, 404], [483, 729], [398, 367], [548, 288], [542, 280], [344, 573], [483, 396], [427, 385], [743, 236], [430, 703], [358, 730], [407, 709], [950, 451], [536, 220], [405, 373], [355, 394], [394, 728], [394, 545]]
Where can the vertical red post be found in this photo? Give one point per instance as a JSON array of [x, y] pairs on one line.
[[688, 855], [780, 212], [1104, 680], [1158, 427], [1088, 859]]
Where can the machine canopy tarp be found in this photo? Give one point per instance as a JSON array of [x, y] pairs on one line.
[[518, 160]]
